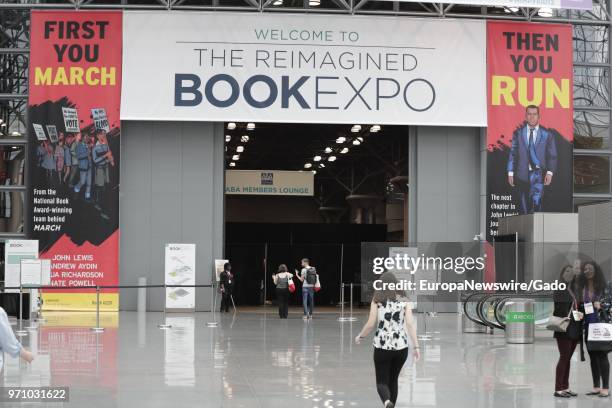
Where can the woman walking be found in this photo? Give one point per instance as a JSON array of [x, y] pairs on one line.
[[566, 306], [281, 280], [391, 315], [593, 285]]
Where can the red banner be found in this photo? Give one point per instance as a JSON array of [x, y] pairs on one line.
[[74, 128], [530, 120]]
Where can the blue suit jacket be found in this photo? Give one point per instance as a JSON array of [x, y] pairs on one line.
[[546, 152]]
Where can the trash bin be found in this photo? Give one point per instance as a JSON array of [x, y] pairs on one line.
[[520, 321]]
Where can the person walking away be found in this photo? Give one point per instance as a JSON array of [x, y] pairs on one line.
[[9, 343], [391, 316], [281, 280], [593, 285], [566, 306], [308, 277], [227, 287]]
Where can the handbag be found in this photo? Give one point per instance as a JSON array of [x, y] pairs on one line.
[[599, 337], [291, 285], [317, 286], [559, 324]]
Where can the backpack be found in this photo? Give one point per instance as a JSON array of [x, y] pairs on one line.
[[282, 283], [311, 276]]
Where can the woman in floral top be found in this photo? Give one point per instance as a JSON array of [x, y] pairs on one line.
[[391, 316]]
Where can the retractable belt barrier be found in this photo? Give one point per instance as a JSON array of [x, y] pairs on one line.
[[22, 333]]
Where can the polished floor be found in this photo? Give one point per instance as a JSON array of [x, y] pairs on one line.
[[253, 359]]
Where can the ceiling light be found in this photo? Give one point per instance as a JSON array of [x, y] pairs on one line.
[[250, 126], [227, 138], [232, 164], [277, 3], [244, 138], [321, 165], [2, 124], [328, 150], [360, 139], [231, 126], [331, 158], [545, 12], [375, 128], [308, 165], [16, 134], [314, 3], [356, 142], [345, 150], [356, 128], [317, 158], [240, 149], [314, 172], [236, 157], [341, 140]]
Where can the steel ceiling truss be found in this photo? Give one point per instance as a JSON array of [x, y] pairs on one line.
[[599, 15]]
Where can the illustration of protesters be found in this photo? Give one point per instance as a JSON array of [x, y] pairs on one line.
[[67, 157], [46, 160], [58, 156], [83, 154], [74, 169], [102, 158]]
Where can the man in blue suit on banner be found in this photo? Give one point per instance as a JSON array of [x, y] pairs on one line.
[[532, 161]]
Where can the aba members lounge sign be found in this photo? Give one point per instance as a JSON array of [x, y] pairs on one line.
[[303, 68], [269, 182]]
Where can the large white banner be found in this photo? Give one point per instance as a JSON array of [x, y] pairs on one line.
[[303, 68], [269, 182]]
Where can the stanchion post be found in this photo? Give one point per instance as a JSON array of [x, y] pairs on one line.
[[98, 328], [164, 325], [213, 305], [342, 318], [21, 332], [351, 318]]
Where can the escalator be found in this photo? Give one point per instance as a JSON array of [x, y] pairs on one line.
[[489, 309]]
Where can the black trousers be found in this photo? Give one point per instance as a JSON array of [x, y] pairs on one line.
[[388, 364], [226, 300], [282, 297], [600, 368], [566, 348]]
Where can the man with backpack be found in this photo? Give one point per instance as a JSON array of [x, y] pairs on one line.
[[308, 277]]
